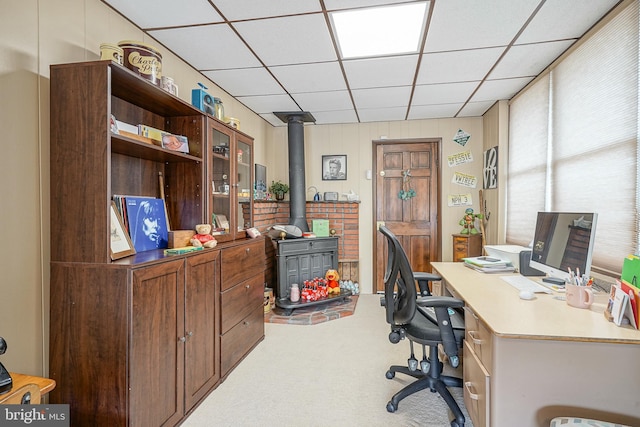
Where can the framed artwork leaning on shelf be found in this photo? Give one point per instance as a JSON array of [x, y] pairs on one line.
[[121, 245]]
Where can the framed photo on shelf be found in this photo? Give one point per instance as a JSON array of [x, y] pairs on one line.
[[334, 167], [121, 245]]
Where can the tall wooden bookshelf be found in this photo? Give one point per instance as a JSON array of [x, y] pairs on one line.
[[137, 341]]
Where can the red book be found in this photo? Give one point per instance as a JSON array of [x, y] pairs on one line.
[[634, 298]]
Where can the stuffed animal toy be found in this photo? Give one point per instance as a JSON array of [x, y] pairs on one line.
[[204, 237], [333, 283], [468, 222]]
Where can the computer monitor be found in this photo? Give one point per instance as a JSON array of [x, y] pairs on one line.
[[563, 241]]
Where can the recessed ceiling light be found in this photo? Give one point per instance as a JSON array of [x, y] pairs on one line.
[[379, 31]]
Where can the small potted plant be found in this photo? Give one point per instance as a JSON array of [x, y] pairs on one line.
[[278, 189]]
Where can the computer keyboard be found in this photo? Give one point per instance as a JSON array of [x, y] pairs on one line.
[[521, 283]]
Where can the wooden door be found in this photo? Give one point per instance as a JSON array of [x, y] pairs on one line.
[[202, 328], [156, 370], [410, 167]]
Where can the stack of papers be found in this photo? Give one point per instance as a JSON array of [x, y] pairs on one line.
[[488, 264]]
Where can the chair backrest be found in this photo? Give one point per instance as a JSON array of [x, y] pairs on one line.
[[399, 284]]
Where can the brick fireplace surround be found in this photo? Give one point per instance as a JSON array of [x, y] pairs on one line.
[[342, 216]]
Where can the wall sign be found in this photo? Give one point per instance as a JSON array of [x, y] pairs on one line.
[[490, 168]]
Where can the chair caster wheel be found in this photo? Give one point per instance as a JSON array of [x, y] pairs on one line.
[[390, 375], [391, 407], [454, 361], [454, 423]]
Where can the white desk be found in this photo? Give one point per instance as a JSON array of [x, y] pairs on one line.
[[526, 362]]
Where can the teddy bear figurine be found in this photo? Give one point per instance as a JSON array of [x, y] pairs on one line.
[[203, 237], [468, 222], [333, 283]]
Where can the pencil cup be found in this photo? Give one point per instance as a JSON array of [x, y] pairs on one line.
[[578, 296]]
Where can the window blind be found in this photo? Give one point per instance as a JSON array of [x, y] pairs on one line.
[[591, 145]]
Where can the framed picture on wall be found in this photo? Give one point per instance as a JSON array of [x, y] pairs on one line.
[[334, 167]]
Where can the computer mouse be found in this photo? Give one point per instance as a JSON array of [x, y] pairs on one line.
[[527, 295]]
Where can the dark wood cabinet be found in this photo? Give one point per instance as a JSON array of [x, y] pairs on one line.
[[202, 329], [137, 341], [242, 297], [230, 178], [465, 245], [156, 361]]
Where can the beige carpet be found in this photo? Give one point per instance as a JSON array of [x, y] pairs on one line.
[[328, 374]]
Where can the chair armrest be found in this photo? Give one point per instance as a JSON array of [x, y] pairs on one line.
[[422, 275], [438, 301], [423, 278]]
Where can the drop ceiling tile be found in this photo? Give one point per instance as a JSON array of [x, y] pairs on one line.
[[529, 59], [382, 114], [463, 24], [291, 40], [433, 111], [475, 109], [324, 101], [246, 81], [207, 47], [166, 13], [551, 22], [380, 72], [381, 97], [460, 66], [269, 103], [444, 93], [310, 77], [332, 117], [272, 119], [348, 4], [249, 9], [500, 89]]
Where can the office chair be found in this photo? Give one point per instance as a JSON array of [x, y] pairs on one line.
[[410, 317]]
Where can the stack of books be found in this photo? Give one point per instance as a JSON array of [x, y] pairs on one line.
[[486, 264]]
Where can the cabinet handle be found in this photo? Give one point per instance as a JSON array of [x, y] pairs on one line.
[[248, 250], [190, 334], [182, 339], [472, 395], [472, 335], [245, 323]]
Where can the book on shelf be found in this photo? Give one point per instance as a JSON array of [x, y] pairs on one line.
[[147, 223], [221, 222]]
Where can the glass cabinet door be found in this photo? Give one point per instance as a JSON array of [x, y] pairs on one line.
[[220, 207], [244, 182]]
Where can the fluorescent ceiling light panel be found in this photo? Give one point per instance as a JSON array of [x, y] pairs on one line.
[[380, 30]]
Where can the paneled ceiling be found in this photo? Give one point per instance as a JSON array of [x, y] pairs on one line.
[[282, 55]]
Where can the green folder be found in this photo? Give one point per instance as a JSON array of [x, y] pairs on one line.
[[320, 227], [631, 270]]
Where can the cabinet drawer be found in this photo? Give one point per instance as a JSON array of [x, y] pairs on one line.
[[479, 338], [241, 262], [239, 301], [476, 388], [239, 340]]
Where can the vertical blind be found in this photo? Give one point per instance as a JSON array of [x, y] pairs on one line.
[[573, 142]]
